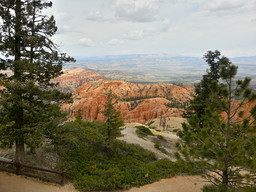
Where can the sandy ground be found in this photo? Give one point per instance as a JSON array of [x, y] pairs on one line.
[[130, 136], [176, 184], [172, 122], [12, 183]]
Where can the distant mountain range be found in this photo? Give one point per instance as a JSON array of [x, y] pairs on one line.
[[158, 67]]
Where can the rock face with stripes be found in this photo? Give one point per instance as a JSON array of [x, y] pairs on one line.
[[71, 79], [138, 102]]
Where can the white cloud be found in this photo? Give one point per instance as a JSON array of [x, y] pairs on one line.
[[87, 42], [95, 16], [165, 21], [224, 5], [115, 41], [63, 22], [135, 35], [99, 17], [165, 25], [155, 26], [136, 10]]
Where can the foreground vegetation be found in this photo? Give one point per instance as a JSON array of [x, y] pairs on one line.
[[214, 188], [29, 108], [219, 137], [92, 164]]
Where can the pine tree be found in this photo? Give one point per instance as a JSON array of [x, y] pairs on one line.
[[225, 145], [202, 90], [113, 118], [28, 98]]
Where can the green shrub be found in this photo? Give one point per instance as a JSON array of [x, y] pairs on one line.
[[150, 123], [210, 188], [93, 166], [143, 131], [163, 150], [214, 188], [161, 137], [157, 145], [249, 189]]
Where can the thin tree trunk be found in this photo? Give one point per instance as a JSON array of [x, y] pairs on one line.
[[20, 151], [20, 147], [225, 178], [32, 150]]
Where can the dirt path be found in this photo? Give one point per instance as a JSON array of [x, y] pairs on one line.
[[13, 183], [176, 184]]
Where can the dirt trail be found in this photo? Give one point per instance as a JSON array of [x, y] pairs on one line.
[[175, 184], [13, 183]]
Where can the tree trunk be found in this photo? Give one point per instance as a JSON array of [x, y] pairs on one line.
[[20, 151], [225, 180], [32, 150]]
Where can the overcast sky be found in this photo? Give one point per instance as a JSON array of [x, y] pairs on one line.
[[175, 27]]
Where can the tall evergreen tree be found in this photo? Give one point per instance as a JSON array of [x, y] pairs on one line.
[[113, 118], [202, 90], [225, 145], [28, 53]]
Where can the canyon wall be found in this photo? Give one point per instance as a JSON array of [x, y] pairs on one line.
[[138, 102]]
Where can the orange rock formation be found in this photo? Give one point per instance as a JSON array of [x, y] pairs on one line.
[[246, 108], [71, 79], [138, 102]]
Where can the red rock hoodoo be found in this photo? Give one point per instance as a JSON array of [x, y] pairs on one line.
[[71, 79], [138, 102]]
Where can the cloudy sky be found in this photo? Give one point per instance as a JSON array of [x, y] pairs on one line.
[[175, 27]]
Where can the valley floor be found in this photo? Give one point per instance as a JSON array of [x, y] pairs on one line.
[[12, 183]]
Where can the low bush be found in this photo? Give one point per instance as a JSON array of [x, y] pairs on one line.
[[214, 188], [143, 131], [161, 137], [158, 146], [95, 166]]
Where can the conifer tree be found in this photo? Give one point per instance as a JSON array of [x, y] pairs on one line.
[[28, 53], [202, 90], [224, 147], [113, 118]]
